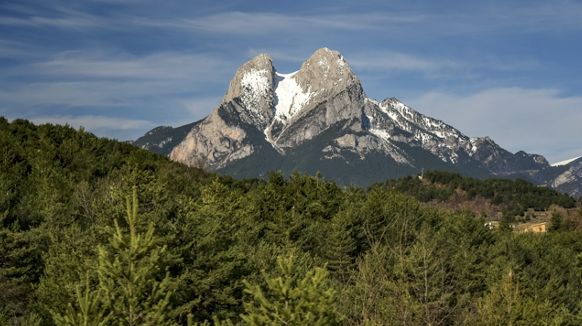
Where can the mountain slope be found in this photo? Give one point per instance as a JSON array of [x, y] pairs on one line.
[[568, 178], [320, 119], [161, 140]]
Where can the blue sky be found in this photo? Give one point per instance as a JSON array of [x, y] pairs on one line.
[[510, 70]]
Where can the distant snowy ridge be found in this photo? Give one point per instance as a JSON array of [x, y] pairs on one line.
[[566, 162]]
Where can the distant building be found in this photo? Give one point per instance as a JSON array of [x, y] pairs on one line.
[[540, 227], [491, 225]]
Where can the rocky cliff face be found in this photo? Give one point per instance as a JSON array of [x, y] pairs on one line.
[[288, 109], [320, 119], [567, 178]]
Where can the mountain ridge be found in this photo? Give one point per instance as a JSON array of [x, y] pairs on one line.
[[264, 107]]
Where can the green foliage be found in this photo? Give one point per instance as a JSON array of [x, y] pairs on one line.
[[20, 268], [390, 260], [89, 308], [557, 222], [129, 290], [133, 283], [506, 305], [291, 298], [513, 196]]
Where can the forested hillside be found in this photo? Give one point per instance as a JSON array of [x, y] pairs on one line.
[[512, 197], [98, 232]]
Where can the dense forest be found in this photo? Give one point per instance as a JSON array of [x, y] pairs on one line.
[[514, 197], [98, 232]]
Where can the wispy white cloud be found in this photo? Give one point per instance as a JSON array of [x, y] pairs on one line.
[[505, 18], [11, 49], [100, 64], [63, 18], [559, 16], [112, 79], [94, 122], [390, 61], [543, 121], [84, 93], [248, 23]]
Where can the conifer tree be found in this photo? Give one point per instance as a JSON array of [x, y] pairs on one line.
[[130, 289], [339, 246], [505, 304], [291, 299], [128, 274], [89, 310]]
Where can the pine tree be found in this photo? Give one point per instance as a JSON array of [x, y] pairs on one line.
[[128, 274], [129, 289], [89, 310], [291, 299], [339, 246], [505, 304]]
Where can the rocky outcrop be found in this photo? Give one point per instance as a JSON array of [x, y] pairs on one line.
[[320, 119], [568, 178], [252, 85], [288, 109], [212, 144]]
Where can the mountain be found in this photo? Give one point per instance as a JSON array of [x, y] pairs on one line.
[[163, 139], [567, 177], [320, 119], [566, 162]]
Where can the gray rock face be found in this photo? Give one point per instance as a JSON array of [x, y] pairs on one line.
[[288, 109], [253, 86], [344, 105], [329, 92], [319, 118], [212, 144], [569, 179], [327, 74]]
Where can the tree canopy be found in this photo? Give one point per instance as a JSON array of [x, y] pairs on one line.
[[202, 248]]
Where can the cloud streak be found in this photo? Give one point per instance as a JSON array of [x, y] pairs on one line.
[[238, 22], [99, 64], [507, 18], [392, 61], [113, 79], [94, 123]]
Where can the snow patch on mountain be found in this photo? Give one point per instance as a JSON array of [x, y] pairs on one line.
[[382, 134], [290, 97], [257, 86], [566, 162], [473, 141]]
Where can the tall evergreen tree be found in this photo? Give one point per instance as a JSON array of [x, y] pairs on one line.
[[132, 286], [291, 299], [505, 304]]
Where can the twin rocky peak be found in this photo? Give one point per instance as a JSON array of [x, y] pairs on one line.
[[319, 119]]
